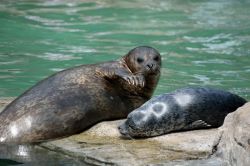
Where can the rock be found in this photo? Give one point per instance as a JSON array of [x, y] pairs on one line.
[[213, 161], [102, 144], [234, 143], [4, 102]]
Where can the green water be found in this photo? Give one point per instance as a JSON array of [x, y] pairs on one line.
[[205, 43]]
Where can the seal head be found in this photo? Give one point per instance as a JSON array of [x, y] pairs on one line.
[[144, 60], [144, 63]]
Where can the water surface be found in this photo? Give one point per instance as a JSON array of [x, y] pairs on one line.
[[203, 43], [30, 155]]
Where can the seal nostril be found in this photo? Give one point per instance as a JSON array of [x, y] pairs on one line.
[[150, 66]]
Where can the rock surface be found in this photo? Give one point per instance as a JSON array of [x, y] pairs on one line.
[[103, 145], [234, 143]]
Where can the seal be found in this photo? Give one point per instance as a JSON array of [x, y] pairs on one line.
[[73, 100], [184, 109]]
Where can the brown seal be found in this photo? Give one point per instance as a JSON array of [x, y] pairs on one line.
[[72, 100]]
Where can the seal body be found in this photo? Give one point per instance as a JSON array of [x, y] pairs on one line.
[[72, 100], [184, 109]]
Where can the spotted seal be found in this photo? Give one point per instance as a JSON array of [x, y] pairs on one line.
[[185, 109], [72, 100]]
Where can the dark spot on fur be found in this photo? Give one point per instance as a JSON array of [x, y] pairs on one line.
[[158, 108]]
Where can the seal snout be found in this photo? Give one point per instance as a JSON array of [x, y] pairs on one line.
[[123, 130], [150, 66]]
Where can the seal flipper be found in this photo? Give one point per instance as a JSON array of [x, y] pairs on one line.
[[137, 80], [126, 75], [197, 124]]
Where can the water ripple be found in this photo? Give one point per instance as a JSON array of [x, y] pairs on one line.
[[78, 49], [213, 61], [218, 44], [206, 80], [57, 57]]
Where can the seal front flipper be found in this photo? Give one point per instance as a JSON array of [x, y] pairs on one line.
[[197, 124], [136, 80], [127, 75]]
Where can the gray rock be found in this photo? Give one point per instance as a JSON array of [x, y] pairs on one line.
[[203, 162], [234, 143]]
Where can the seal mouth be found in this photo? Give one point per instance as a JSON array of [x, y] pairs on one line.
[[153, 70], [124, 131]]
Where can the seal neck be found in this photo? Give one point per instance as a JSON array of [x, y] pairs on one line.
[[125, 63]]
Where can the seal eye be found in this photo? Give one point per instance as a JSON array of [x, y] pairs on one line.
[[156, 58], [140, 60]]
